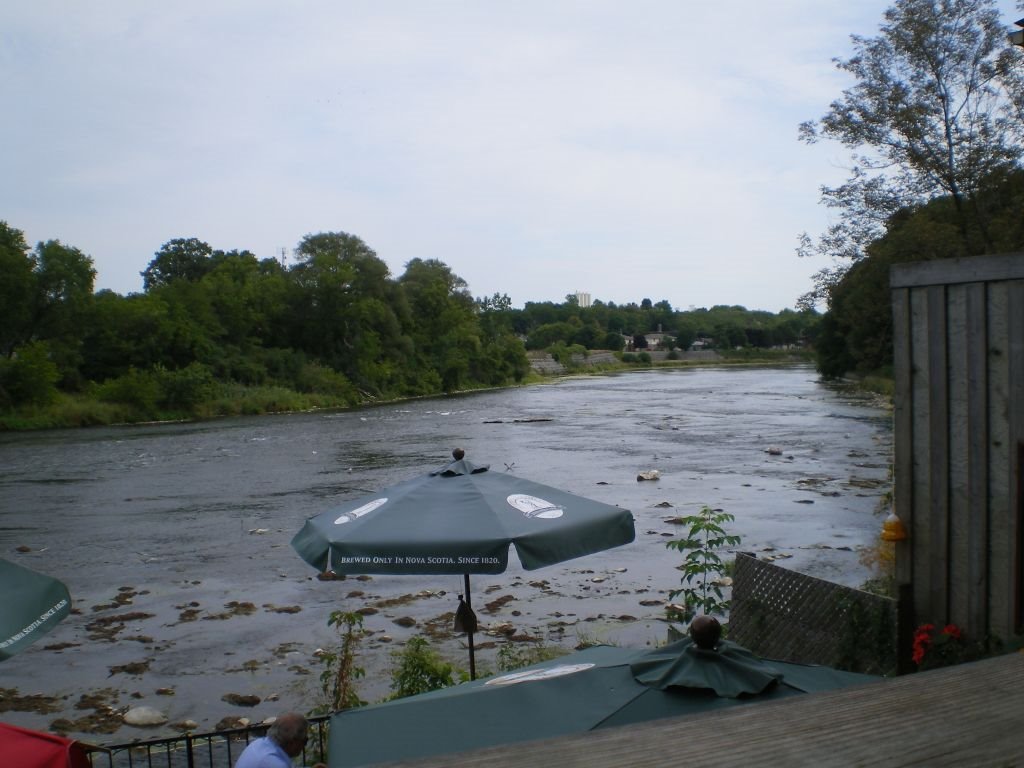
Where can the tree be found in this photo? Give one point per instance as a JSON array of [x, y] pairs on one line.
[[856, 333], [342, 310], [126, 332], [497, 302], [446, 331], [178, 259], [29, 378], [16, 288], [932, 113], [64, 279]]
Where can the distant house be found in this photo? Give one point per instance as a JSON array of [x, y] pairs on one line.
[[656, 340]]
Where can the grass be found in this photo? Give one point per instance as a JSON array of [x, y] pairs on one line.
[[79, 410]]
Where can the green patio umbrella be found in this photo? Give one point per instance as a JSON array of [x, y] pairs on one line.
[[460, 519], [31, 604], [600, 687]]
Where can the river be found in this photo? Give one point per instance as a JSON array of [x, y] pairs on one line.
[[174, 538]]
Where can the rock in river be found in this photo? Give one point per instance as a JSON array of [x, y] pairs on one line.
[[144, 716]]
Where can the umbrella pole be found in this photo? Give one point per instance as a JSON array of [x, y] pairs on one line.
[[472, 651]]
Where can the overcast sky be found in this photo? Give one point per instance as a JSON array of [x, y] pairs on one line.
[[630, 150]]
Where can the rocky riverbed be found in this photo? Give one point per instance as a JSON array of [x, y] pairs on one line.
[[190, 606]]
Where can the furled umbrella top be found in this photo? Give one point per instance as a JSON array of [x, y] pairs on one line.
[[460, 519], [729, 669], [31, 604], [600, 687]]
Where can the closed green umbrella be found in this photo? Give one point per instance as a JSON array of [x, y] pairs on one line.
[[460, 519], [31, 604], [589, 690]]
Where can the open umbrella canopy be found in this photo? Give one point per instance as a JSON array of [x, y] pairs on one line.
[[460, 519], [36, 749], [31, 604], [599, 687]]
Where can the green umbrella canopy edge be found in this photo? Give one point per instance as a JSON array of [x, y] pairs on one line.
[[461, 519], [31, 604]]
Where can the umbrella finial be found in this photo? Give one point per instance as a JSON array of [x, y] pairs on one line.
[[705, 632], [458, 454]]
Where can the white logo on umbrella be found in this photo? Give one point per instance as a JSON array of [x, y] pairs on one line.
[[539, 674], [531, 506], [366, 509]]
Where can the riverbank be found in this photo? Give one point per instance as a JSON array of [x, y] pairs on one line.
[[73, 410]]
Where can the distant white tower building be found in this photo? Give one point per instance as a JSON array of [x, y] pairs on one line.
[[582, 299]]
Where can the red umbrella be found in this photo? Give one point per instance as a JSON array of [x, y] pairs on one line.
[[35, 749]]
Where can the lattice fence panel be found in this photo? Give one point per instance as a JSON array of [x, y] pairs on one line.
[[789, 616]]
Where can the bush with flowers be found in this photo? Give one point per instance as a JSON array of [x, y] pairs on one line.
[[941, 648]]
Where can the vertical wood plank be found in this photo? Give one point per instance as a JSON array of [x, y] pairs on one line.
[[957, 343], [903, 432], [1000, 564], [1015, 481], [920, 537], [977, 460], [938, 453]]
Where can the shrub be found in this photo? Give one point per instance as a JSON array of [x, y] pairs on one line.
[[139, 389], [340, 671], [186, 388], [420, 669], [30, 378], [326, 381], [702, 566]]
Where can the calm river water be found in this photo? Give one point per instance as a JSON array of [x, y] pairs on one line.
[[174, 538]]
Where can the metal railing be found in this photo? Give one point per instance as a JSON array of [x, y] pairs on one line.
[[217, 749]]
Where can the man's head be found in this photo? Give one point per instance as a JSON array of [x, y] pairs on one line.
[[289, 732]]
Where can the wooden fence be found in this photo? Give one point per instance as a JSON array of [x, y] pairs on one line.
[[958, 337]]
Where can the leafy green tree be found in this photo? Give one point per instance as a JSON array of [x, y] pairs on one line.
[[30, 378], [125, 332], [179, 259], [446, 331], [856, 333], [62, 302], [193, 325], [933, 112], [498, 302], [231, 285], [17, 284], [343, 310], [614, 341], [503, 359], [544, 336], [589, 336], [686, 334]]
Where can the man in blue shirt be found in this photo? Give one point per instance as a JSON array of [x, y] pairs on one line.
[[284, 740]]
